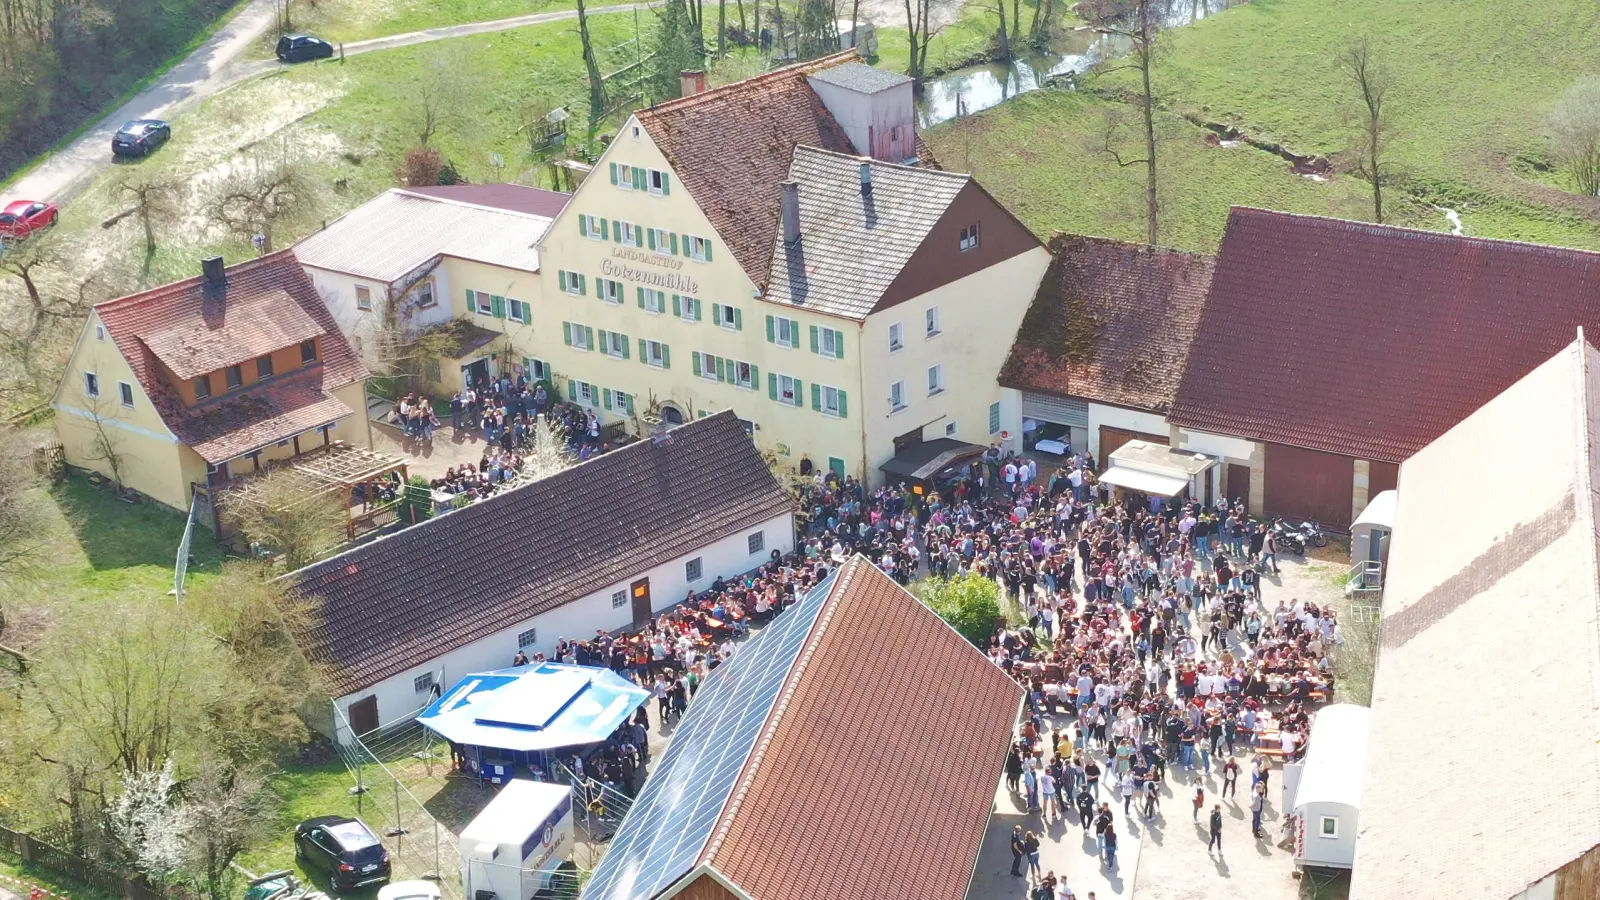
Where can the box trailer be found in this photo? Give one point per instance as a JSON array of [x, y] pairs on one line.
[[515, 847]]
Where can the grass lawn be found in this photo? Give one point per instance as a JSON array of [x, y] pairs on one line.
[[358, 20], [1473, 82], [19, 878], [1034, 153]]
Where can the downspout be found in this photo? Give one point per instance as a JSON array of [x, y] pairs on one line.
[[861, 354]]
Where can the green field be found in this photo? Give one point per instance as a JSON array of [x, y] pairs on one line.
[[1473, 81]]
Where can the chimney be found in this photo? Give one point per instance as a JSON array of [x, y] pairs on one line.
[[691, 82], [866, 177], [791, 213], [211, 266]]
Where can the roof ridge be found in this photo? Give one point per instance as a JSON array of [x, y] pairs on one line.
[[846, 576], [959, 176], [160, 290], [479, 206], [1355, 225], [1137, 246], [805, 68]]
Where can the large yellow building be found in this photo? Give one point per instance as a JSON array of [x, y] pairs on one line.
[[204, 379], [785, 248]]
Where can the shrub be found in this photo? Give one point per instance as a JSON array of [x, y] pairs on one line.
[[970, 604]]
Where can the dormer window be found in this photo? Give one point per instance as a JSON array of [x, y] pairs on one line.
[[308, 351], [235, 377], [202, 387], [264, 367]]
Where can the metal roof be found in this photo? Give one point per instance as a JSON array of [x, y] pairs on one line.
[[858, 76], [1336, 758]]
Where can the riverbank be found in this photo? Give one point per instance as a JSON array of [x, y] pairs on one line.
[[1473, 83]]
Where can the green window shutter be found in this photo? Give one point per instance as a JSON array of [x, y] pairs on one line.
[[772, 330], [471, 299], [583, 226], [674, 243], [838, 343], [566, 333], [814, 341], [605, 398], [616, 232], [650, 238], [686, 245], [561, 276], [722, 369], [772, 386], [613, 173], [755, 376], [605, 347], [622, 339], [694, 363], [716, 314], [640, 182], [708, 250], [605, 230], [629, 399], [844, 404], [588, 335], [498, 306], [666, 184], [799, 393], [677, 304], [639, 291], [816, 397], [666, 357], [699, 312], [643, 356], [738, 319], [583, 285]]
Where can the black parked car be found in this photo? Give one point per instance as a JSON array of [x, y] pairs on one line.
[[344, 848], [301, 47], [139, 137]]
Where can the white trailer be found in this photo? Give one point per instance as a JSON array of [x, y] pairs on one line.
[[512, 850], [1327, 800]]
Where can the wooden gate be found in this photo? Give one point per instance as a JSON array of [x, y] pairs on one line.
[[1309, 484], [1238, 487], [1381, 476], [1112, 438], [364, 715]]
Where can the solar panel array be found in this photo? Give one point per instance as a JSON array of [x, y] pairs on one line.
[[670, 823]]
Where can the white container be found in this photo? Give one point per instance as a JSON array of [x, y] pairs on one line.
[[515, 845]]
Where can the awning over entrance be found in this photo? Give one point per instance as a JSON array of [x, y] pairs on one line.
[[920, 462], [1144, 482]]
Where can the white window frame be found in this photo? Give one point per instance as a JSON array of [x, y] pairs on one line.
[[794, 387], [91, 384], [426, 298], [536, 369], [826, 336], [830, 401], [655, 181], [708, 366], [483, 305], [99, 332], [694, 570], [994, 418], [619, 599], [897, 336], [624, 178], [1322, 828], [779, 323], [950, 429], [663, 240], [697, 247], [655, 300], [125, 390], [612, 344], [512, 314], [608, 290], [585, 394], [527, 638], [755, 542], [363, 298], [897, 396], [729, 320], [591, 227], [935, 380], [969, 238], [580, 337], [748, 382], [632, 235], [930, 318], [688, 308], [654, 354], [424, 683]]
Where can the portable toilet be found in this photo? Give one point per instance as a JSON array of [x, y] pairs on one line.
[[1327, 799], [514, 847]]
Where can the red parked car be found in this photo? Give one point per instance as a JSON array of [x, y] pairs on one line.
[[24, 217]]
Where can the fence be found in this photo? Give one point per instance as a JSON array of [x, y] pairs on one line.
[[81, 869]]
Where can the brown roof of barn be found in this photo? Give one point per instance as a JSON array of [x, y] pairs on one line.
[[1112, 322], [407, 599], [266, 304], [876, 773], [1369, 340], [731, 147]]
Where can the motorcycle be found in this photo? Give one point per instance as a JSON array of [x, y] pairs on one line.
[[1289, 540], [1311, 534]]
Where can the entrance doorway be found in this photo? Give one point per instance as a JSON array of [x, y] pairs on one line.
[[364, 715], [642, 610], [477, 373], [671, 414], [1238, 486]]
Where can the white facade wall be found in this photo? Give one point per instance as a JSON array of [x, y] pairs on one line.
[[1338, 851], [1124, 418], [338, 292], [579, 619], [1217, 445]]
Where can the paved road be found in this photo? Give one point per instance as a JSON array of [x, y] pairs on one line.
[[213, 66]]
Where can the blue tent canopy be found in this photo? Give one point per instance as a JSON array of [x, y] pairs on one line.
[[540, 707]]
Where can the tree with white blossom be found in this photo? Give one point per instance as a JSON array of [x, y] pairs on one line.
[[150, 822]]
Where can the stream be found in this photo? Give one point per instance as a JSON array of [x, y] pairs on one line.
[[975, 88]]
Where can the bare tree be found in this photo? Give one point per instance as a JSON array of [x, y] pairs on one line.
[[1355, 660], [443, 96], [1574, 131], [597, 82], [1371, 78], [921, 30], [1039, 32], [106, 439], [1003, 37], [44, 299], [25, 531], [267, 190], [278, 514], [152, 199], [227, 809], [1139, 23]]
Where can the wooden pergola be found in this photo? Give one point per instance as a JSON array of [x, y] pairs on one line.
[[343, 468]]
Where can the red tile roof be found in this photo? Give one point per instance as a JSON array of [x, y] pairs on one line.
[[1111, 322], [1369, 340], [876, 774], [254, 312], [731, 146]]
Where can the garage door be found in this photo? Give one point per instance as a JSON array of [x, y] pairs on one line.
[[1382, 476], [1050, 408], [1112, 438], [1309, 484]]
